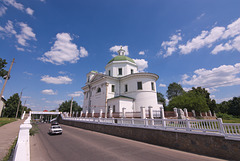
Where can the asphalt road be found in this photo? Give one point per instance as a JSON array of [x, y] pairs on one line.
[[76, 144]]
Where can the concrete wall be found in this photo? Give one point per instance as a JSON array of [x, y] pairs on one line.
[[216, 146]]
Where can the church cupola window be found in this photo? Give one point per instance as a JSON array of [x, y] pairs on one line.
[[119, 71], [109, 72], [131, 71], [121, 51], [139, 85], [99, 90], [113, 88], [152, 84], [126, 87]]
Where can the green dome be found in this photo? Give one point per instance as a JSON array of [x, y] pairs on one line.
[[121, 58]]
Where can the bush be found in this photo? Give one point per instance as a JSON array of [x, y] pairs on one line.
[[224, 116]]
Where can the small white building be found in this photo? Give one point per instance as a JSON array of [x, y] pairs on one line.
[[2, 105], [122, 86]]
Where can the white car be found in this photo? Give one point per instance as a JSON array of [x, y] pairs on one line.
[[55, 129]]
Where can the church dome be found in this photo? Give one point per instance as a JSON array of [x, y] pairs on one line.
[[121, 58]]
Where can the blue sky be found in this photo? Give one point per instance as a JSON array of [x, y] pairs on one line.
[[56, 43]]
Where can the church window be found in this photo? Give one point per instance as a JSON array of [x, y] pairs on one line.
[[139, 85], [108, 109], [114, 108], [152, 84], [99, 90], [119, 71], [87, 95], [88, 78], [109, 72], [126, 87], [113, 88], [131, 71]]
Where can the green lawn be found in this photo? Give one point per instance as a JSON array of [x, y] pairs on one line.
[[5, 120], [232, 120]]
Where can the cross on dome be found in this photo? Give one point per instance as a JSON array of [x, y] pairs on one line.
[[121, 51]]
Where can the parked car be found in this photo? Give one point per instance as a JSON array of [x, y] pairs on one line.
[[54, 123], [55, 129]]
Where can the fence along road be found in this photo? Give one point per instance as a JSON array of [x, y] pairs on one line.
[[78, 144]]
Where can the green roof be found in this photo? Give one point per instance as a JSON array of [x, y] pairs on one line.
[[121, 58]]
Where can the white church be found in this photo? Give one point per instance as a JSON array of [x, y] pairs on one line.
[[122, 86]]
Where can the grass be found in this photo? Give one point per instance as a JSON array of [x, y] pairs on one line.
[[232, 120], [34, 129], [10, 151], [5, 120]]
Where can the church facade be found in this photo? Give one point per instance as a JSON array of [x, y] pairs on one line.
[[122, 86]]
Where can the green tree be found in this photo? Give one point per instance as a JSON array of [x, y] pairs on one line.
[[11, 106], [174, 90], [203, 92], [234, 106], [65, 106], [190, 101], [223, 107], [3, 64], [161, 99]]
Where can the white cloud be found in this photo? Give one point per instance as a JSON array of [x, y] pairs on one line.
[[76, 94], [141, 63], [118, 47], [202, 15], [141, 53], [26, 34], [13, 3], [232, 30], [2, 10], [162, 85], [170, 46], [29, 11], [58, 102], [205, 39], [26, 97], [8, 29], [19, 49], [225, 75], [223, 99], [83, 52], [56, 80], [49, 92], [63, 50], [27, 73], [221, 47]]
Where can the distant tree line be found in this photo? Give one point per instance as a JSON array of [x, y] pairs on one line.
[[197, 99]]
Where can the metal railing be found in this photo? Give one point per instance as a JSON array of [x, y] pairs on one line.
[[214, 127]]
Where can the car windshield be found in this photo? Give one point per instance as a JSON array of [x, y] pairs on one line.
[[55, 127]]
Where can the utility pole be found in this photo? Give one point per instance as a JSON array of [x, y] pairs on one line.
[[19, 104], [23, 107], [5, 82], [71, 108]]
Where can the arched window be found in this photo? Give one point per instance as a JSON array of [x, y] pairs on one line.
[[98, 90]]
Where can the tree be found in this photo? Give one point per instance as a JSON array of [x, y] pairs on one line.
[[203, 92], [161, 99], [3, 64], [11, 106], [174, 90], [223, 107], [234, 106], [65, 106], [190, 101]]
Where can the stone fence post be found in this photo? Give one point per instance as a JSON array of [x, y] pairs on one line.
[[150, 112], [92, 113], [86, 114], [186, 112], [110, 112], [210, 113], [175, 111], [100, 114], [143, 113], [123, 112], [162, 112], [194, 113], [81, 114]]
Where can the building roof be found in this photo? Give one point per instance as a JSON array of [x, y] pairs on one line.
[[121, 58], [121, 96]]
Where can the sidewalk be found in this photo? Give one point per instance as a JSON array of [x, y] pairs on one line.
[[8, 134]]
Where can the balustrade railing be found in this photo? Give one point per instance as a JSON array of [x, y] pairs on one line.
[[217, 127]]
